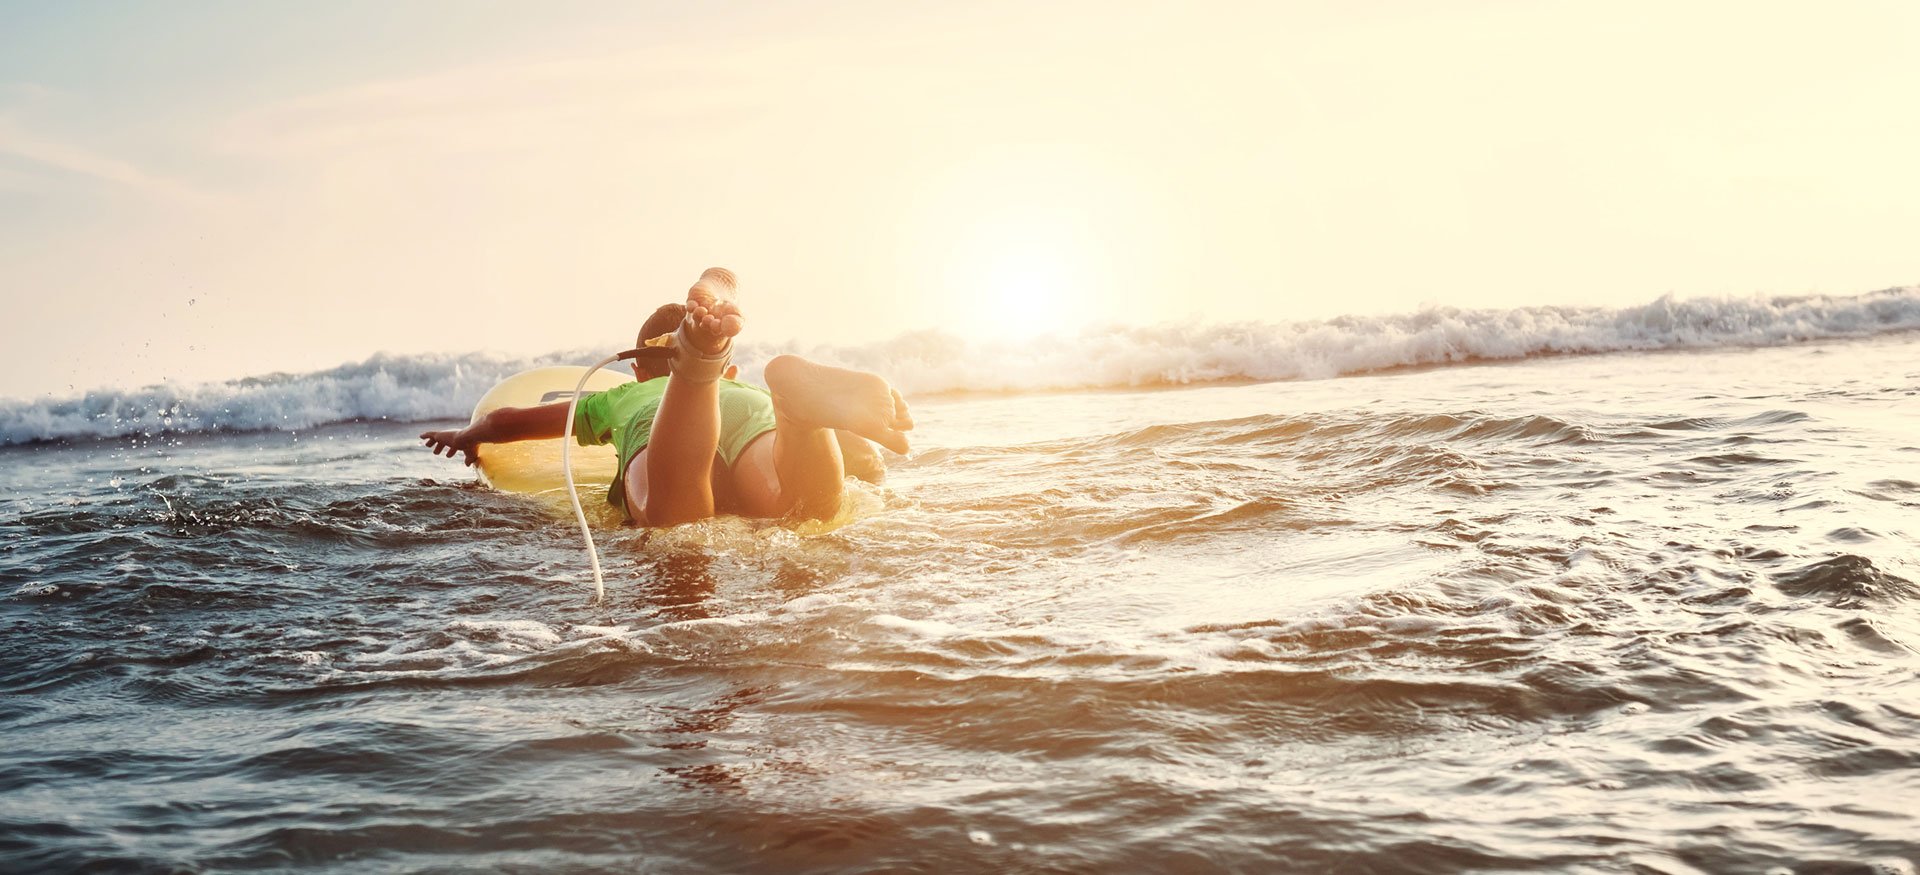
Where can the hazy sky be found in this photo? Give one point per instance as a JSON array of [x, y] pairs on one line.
[[208, 189]]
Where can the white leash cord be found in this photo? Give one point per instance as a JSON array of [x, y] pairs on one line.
[[573, 492]]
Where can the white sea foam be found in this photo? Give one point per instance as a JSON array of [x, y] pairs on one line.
[[383, 387], [1174, 354], [439, 387], [916, 628], [521, 634]]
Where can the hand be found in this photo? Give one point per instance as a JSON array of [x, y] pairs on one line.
[[450, 442]]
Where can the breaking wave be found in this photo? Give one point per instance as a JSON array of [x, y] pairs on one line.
[[438, 387]]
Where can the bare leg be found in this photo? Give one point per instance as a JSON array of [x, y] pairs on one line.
[[686, 430], [811, 401], [636, 486]]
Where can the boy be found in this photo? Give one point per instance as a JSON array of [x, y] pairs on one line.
[[692, 442]]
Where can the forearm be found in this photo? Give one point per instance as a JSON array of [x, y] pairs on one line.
[[509, 424]]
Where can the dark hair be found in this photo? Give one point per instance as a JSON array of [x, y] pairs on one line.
[[663, 321]]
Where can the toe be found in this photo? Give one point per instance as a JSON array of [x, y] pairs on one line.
[[902, 420], [892, 440]]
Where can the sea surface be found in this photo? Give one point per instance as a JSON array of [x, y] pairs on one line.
[[1458, 591]]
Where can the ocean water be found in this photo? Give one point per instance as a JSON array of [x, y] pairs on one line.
[[1460, 591]]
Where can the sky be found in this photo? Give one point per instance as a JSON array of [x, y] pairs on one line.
[[209, 190]]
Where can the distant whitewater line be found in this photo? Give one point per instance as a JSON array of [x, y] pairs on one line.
[[438, 387]]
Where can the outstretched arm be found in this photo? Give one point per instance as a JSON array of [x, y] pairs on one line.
[[506, 425]]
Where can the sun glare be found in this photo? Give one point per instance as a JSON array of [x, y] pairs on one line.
[[1025, 277], [1014, 243]]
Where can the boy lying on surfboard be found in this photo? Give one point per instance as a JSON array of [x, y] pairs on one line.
[[693, 442]]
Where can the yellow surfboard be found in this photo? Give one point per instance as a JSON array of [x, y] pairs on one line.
[[533, 467]]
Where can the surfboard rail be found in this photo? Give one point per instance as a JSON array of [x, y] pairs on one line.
[[533, 467]]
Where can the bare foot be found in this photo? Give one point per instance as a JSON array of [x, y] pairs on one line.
[[713, 311], [816, 395], [859, 459]]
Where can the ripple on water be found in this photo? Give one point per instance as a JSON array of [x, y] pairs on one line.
[[1510, 633], [1846, 580]]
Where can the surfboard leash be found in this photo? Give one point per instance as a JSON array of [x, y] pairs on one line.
[[651, 350]]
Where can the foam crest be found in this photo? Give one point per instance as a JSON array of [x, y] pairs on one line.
[[1183, 353], [404, 388], [441, 387]]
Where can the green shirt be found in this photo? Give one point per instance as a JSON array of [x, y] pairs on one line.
[[623, 416]]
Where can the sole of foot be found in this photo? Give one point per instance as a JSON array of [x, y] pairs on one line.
[[822, 396]]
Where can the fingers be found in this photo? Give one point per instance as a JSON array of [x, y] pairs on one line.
[[439, 444]]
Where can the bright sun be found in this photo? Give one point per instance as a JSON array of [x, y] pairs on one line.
[[1026, 275], [1011, 238]]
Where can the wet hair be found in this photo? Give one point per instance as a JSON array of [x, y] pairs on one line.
[[663, 321]]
